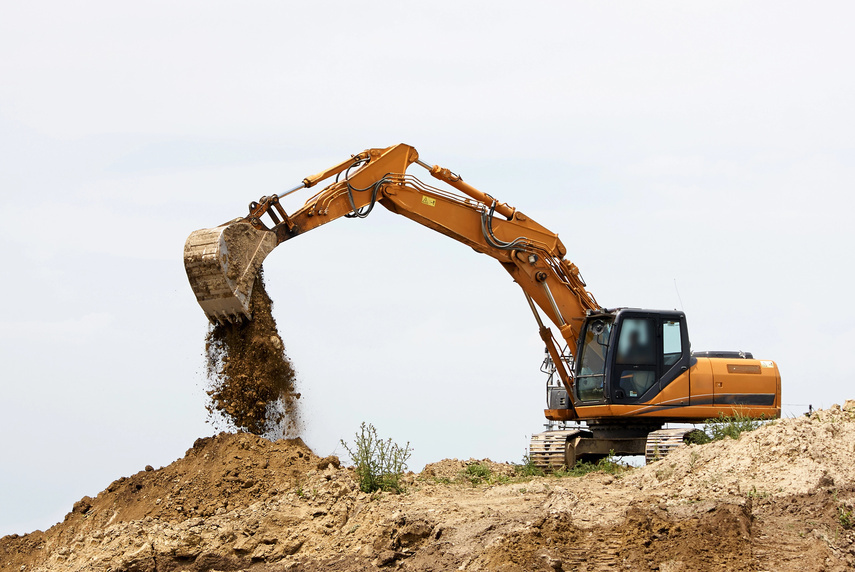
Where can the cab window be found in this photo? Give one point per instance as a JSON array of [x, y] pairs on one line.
[[590, 378], [637, 342], [636, 358], [672, 343]]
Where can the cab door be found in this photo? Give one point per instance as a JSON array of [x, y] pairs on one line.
[[674, 379], [650, 363], [635, 370]]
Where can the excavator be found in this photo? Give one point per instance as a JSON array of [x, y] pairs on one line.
[[615, 376]]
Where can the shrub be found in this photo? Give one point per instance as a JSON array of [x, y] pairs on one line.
[[477, 473], [528, 468], [726, 426], [698, 437], [379, 463], [607, 464]]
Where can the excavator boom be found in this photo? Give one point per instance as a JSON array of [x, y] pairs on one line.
[[222, 262]]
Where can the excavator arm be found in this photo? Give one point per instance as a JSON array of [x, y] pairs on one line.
[[222, 262]]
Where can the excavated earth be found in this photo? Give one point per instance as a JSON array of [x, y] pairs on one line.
[[779, 498], [252, 380]]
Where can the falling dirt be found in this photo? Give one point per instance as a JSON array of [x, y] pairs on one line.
[[251, 377], [779, 498]]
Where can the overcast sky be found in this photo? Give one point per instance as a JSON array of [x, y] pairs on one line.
[[703, 148]]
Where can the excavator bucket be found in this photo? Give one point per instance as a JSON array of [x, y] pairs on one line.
[[222, 264]]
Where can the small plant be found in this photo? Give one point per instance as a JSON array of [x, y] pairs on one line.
[[698, 438], [299, 491], [755, 494], [731, 426], [724, 426], [528, 468], [581, 468], [693, 459], [561, 472], [477, 473], [845, 517], [608, 465], [379, 463], [656, 453]]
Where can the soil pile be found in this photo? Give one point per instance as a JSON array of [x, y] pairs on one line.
[[252, 379], [784, 457], [779, 498]]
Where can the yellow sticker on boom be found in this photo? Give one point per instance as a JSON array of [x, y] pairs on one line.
[[429, 201]]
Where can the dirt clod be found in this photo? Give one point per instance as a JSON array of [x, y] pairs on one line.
[[252, 380], [327, 461]]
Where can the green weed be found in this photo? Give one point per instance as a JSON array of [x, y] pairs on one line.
[[608, 465], [379, 463], [528, 468], [698, 438], [755, 494], [724, 426], [477, 473], [845, 517]]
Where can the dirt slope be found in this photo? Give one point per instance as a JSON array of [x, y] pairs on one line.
[[780, 498]]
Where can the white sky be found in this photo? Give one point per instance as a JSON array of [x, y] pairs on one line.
[[703, 143]]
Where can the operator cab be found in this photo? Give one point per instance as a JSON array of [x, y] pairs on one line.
[[629, 355]]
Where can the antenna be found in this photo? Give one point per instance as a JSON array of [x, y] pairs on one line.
[[678, 296]]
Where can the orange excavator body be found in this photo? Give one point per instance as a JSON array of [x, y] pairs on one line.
[[667, 384]]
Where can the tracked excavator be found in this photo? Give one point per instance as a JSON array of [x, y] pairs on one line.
[[615, 376]]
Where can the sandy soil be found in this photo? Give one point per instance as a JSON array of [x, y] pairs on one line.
[[779, 498]]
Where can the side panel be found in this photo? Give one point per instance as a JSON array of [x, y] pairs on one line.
[[746, 382], [701, 375]]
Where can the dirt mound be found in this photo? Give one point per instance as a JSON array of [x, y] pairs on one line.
[[216, 475], [252, 379], [779, 498], [784, 457]]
